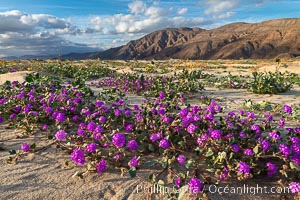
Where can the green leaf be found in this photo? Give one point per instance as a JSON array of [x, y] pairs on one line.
[[209, 153], [33, 146], [12, 152], [6, 117], [294, 166], [255, 149], [161, 182], [151, 163], [181, 143], [151, 147], [189, 163], [50, 137], [29, 79], [211, 170], [183, 190], [164, 163], [132, 173], [152, 177]]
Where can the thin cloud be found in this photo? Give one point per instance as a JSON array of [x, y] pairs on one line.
[[182, 11], [142, 18], [23, 33], [220, 6]]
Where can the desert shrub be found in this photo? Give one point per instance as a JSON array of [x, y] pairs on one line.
[[270, 83]]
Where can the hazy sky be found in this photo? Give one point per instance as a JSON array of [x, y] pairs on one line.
[[62, 26]]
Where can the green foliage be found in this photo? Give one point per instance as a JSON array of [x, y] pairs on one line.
[[270, 83]]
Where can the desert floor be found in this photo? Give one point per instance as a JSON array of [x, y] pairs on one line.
[[44, 174]]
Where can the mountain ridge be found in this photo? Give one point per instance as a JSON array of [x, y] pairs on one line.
[[267, 39], [261, 40]]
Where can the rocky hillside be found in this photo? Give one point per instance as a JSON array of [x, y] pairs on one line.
[[268, 39]]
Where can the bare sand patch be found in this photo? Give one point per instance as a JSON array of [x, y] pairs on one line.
[[14, 76]]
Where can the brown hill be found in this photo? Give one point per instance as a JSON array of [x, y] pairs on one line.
[[268, 39]]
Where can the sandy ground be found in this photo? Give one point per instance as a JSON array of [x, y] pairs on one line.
[[14, 76], [44, 175]]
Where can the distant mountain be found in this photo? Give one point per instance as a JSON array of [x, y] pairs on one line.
[[268, 39], [70, 56], [29, 57]]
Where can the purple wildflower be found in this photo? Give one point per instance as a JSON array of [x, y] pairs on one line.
[[274, 135], [91, 147], [75, 118], [161, 111], [129, 127], [127, 112], [295, 140], [48, 110], [11, 116], [164, 143], [102, 119], [296, 148], [154, 111], [281, 122], [60, 135], [27, 108], [168, 120], [118, 112], [224, 174], [61, 117], [25, 147], [248, 152], [272, 169], [241, 112], [235, 147], [134, 162], [99, 103], [244, 168], [118, 139], [288, 109], [136, 107], [78, 156], [209, 116], [211, 109], [216, 134], [265, 145], [120, 101], [98, 129], [269, 116], [294, 187], [97, 136], [284, 150], [177, 182], [296, 159], [118, 156], [181, 159], [197, 118], [200, 140], [228, 136], [101, 166], [191, 128], [17, 109], [80, 132], [162, 95], [242, 134], [183, 112], [91, 126], [132, 145], [155, 136], [195, 185], [45, 127], [255, 128], [250, 115]]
